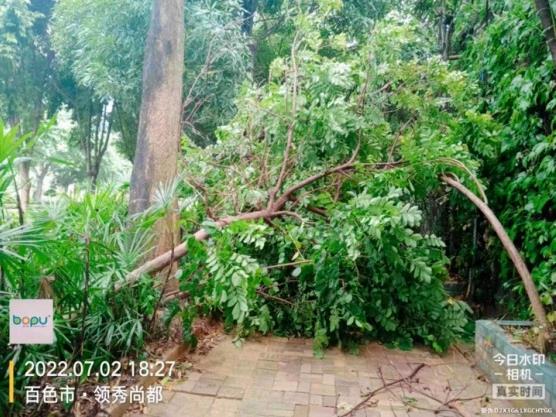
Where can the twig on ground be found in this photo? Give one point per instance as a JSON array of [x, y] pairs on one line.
[[450, 404], [382, 388]]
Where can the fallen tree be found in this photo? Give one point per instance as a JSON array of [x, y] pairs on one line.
[[275, 209], [327, 165]]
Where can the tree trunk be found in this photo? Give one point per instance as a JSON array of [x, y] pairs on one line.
[[25, 184], [446, 30], [37, 193], [487, 12], [249, 8], [157, 151], [545, 15], [515, 256]]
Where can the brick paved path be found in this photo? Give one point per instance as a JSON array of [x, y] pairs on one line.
[[277, 377]]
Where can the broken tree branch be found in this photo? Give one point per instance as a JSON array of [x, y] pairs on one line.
[[275, 210], [273, 297], [160, 262]]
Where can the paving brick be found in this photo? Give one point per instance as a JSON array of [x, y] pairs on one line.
[[303, 386], [231, 392], [256, 393], [322, 389], [284, 385], [225, 405], [278, 413], [328, 379], [281, 405], [315, 399], [186, 386], [298, 398], [329, 400], [255, 407], [306, 368], [207, 386], [263, 382], [277, 377], [189, 405], [267, 364], [320, 411], [301, 411]]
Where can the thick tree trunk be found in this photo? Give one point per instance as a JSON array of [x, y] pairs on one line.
[[515, 256], [545, 15], [157, 151]]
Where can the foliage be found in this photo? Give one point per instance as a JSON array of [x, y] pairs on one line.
[[215, 62], [511, 61], [85, 35], [273, 32], [360, 268], [74, 251], [25, 68]]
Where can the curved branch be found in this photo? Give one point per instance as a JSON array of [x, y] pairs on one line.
[[514, 255]]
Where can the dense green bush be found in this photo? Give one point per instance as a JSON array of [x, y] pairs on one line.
[[73, 251]]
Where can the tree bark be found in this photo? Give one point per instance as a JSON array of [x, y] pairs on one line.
[[545, 15], [25, 184], [248, 19], [515, 256], [41, 174], [249, 8], [157, 151]]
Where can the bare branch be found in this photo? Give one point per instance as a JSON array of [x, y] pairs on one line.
[[515, 256], [382, 388], [291, 126]]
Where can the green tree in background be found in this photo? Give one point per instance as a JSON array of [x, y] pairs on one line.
[[502, 45], [512, 60], [26, 74], [86, 35]]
